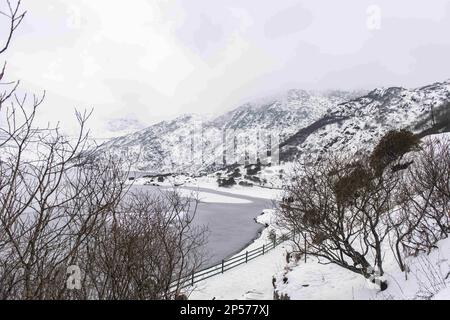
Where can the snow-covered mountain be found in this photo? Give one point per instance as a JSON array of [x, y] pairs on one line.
[[124, 126], [359, 123], [308, 123], [167, 146]]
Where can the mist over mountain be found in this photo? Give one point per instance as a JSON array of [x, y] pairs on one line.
[[308, 123]]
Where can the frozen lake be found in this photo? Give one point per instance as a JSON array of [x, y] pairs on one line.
[[229, 218]]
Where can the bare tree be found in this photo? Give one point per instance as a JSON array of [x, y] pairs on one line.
[[64, 204], [423, 216], [62, 210], [342, 211], [150, 246], [14, 16], [336, 208], [50, 201]]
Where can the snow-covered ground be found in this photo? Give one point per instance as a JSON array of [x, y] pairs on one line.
[[208, 197], [429, 276], [208, 182], [256, 192], [428, 279], [251, 281]]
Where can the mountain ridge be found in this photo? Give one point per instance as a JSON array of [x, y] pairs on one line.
[[308, 123]]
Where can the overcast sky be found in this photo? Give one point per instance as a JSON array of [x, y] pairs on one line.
[[154, 59]]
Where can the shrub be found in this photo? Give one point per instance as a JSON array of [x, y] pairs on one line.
[[272, 235], [346, 188], [422, 219], [245, 184], [236, 173], [253, 169], [226, 182], [392, 146], [253, 178]]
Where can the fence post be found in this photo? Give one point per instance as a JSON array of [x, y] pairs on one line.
[[274, 241], [263, 249], [192, 279], [246, 256], [305, 249], [223, 263]]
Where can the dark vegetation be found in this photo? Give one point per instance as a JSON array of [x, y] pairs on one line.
[[226, 182], [288, 148], [391, 148], [347, 211], [437, 121]]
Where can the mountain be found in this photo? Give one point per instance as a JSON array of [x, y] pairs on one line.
[[124, 125], [359, 123], [167, 146], [308, 124]]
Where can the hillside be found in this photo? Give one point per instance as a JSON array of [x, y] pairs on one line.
[[167, 146], [308, 123], [359, 123]]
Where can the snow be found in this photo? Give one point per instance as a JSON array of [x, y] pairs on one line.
[[428, 275], [365, 120], [444, 294], [189, 183], [208, 197], [168, 146], [257, 192], [312, 280], [251, 281], [428, 278]]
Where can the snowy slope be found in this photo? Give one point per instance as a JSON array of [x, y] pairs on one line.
[[308, 123], [428, 279], [168, 145], [429, 276], [360, 123]]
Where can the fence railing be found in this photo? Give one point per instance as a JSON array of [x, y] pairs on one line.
[[228, 264]]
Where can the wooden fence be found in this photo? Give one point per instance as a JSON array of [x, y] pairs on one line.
[[233, 262]]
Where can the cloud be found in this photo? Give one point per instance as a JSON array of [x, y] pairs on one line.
[[290, 20], [155, 59]]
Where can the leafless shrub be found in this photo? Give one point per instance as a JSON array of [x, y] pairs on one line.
[[272, 236], [429, 277], [424, 202], [61, 209]]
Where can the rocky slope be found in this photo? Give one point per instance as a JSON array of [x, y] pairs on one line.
[[193, 143], [308, 124], [358, 124]]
